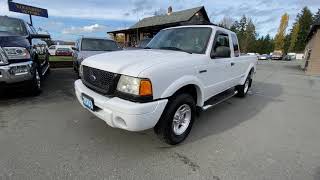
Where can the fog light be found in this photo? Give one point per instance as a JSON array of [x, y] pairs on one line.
[[19, 70]]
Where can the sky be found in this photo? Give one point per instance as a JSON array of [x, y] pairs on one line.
[[69, 20]]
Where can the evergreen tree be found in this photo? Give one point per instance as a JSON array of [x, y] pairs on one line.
[[294, 36], [250, 36], [241, 33], [269, 44], [316, 17], [286, 43], [235, 27], [264, 45], [305, 20], [246, 32]]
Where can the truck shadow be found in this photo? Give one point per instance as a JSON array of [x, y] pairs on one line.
[[235, 111], [57, 84]]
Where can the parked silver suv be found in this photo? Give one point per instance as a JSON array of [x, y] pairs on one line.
[[86, 47]]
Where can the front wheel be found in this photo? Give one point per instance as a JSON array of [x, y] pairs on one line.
[[176, 121], [35, 88]]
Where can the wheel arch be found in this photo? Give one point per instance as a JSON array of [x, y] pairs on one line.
[[186, 85], [252, 68]]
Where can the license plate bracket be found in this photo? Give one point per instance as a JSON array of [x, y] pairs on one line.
[[88, 102]]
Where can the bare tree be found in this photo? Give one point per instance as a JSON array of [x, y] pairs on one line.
[[226, 22]]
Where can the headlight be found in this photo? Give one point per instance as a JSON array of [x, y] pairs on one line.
[[17, 53], [3, 57], [81, 71], [134, 86]]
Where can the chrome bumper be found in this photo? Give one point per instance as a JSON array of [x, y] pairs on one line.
[[8, 76]]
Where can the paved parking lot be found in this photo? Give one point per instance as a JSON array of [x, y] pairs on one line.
[[272, 134]]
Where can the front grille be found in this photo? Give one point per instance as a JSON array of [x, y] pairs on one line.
[[103, 82]]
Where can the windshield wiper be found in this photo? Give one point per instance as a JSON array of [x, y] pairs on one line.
[[147, 47], [174, 49]]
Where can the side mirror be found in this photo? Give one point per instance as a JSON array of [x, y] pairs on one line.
[[74, 48], [221, 52], [39, 36]]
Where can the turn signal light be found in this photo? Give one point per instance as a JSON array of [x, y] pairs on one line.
[[145, 88]]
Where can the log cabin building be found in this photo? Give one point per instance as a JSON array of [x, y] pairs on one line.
[[150, 26], [312, 51]]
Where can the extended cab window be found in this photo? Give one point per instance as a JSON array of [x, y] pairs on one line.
[[221, 48], [235, 45]]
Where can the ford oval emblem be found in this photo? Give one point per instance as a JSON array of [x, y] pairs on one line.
[[93, 77]]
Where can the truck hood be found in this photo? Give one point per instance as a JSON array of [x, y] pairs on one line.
[[86, 54], [10, 40], [133, 62]]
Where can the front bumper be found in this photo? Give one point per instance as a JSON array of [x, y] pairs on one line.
[[123, 114], [6, 75]]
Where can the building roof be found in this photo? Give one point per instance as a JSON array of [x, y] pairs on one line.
[[173, 18], [313, 29]]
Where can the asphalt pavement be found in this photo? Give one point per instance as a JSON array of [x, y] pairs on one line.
[[272, 134]]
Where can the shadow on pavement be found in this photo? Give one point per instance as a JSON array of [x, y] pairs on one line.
[[57, 84], [234, 111], [58, 87]]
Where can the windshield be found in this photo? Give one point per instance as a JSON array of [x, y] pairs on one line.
[[143, 43], [98, 45], [13, 26], [188, 39]]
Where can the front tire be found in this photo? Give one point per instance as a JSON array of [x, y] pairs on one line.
[[35, 88], [177, 119]]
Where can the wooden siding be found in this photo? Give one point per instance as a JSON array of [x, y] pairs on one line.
[[314, 61]]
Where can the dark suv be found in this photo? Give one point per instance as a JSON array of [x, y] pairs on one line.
[[24, 56]]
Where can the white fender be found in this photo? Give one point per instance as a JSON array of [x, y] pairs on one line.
[[184, 81], [243, 80]]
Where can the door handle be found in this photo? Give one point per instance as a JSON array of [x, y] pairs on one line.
[[203, 71], [232, 63]]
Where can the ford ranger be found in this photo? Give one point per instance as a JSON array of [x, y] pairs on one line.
[[181, 71], [24, 55]]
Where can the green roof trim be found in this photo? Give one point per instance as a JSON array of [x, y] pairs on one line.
[[174, 17]]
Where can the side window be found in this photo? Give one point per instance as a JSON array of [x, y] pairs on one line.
[[221, 48], [33, 30], [235, 45], [30, 29], [52, 47]]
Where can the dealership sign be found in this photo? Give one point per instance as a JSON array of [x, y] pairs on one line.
[[25, 9]]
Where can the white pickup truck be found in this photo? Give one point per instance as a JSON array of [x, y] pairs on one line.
[[182, 70]]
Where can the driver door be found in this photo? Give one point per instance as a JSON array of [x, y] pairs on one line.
[[219, 75]]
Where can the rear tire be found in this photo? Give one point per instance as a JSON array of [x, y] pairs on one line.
[[177, 119], [243, 89]]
